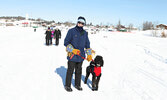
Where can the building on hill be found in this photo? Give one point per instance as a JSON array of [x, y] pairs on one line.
[[162, 26]]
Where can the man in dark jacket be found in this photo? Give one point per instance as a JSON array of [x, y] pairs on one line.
[[57, 35], [76, 41], [48, 36]]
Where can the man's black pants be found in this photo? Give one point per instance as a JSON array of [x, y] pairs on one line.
[[48, 41], [78, 72], [57, 41]]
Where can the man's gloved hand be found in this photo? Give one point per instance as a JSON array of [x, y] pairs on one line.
[[88, 51], [89, 58], [70, 48], [76, 51]]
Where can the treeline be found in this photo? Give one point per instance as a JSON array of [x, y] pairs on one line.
[[148, 25], [19, 18], [13, 18]]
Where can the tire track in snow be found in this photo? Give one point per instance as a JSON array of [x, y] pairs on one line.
[[153, 55], [134, 85], [136, 88], [152, 77], [161, 69]]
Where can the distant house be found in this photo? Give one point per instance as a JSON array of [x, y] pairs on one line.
[[162, 26], [9, 24], [123, 26], [122, 29]]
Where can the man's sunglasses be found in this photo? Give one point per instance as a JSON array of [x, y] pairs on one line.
[[81, 23]]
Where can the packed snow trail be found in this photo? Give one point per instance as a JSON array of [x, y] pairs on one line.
[[134, 67]]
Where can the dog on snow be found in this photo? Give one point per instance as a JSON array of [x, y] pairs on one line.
[[95, 69]]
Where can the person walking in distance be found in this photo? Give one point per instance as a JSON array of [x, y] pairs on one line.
[[57, 35], [48, 37]]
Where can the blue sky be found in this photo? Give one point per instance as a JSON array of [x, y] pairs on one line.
[[95, 11]]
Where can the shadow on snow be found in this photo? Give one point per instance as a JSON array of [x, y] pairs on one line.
[[61, 71]]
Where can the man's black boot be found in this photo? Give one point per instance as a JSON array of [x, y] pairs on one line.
[[78, 88], [69, 89]]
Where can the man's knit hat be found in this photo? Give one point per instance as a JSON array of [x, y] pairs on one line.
[[82, 19]]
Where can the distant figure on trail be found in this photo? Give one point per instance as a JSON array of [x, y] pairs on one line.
[[35, 29], [48, 37], [57, 35]]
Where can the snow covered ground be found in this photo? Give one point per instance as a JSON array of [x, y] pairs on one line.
[[135, 67]]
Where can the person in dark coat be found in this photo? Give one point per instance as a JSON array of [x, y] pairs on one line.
[[48, 36], [35, 29], [76, 41], [57, 35]]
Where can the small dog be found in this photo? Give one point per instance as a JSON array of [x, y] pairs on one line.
[[95, 69]]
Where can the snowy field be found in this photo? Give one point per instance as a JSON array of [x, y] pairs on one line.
[[135, 67]]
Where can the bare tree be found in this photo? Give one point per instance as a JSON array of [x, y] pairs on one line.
[[118, 26], [147, 25], [154, 29], [163, 34], [130, 27]]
